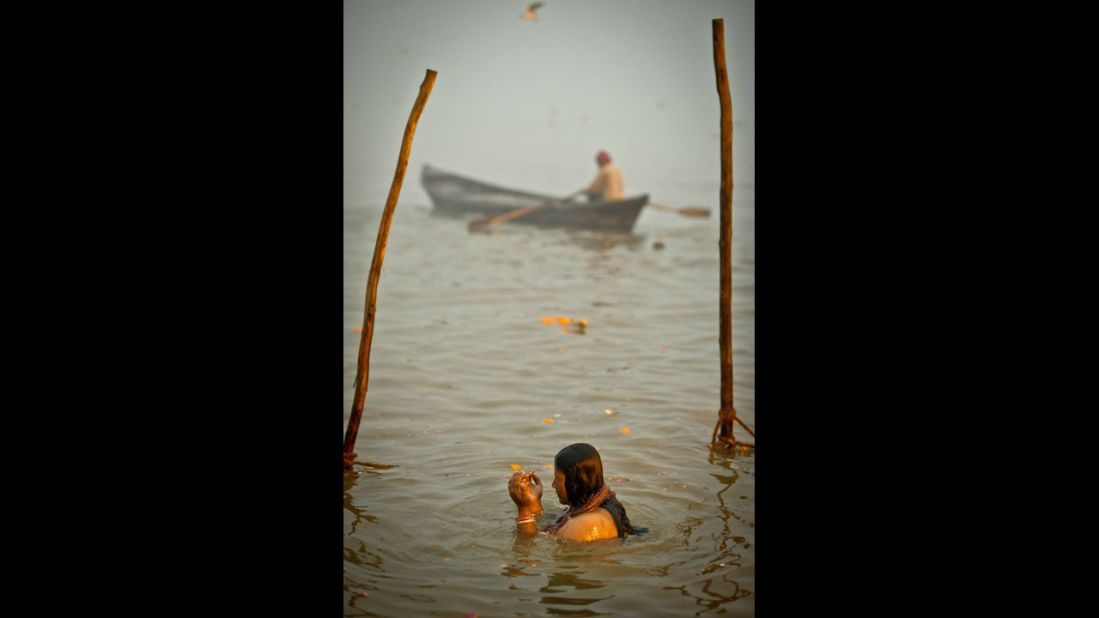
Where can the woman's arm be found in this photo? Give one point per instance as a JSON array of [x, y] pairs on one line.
[[525, 489]]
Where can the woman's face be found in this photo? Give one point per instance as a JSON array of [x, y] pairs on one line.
[[559, 485]]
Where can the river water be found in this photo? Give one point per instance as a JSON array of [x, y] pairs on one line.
[[465, 374]]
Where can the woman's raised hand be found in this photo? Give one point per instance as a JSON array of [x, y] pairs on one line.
[[525, 489]]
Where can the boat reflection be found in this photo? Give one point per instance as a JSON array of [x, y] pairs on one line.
[[605, 241]]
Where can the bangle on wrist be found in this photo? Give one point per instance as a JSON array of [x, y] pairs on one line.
[[525, 519]]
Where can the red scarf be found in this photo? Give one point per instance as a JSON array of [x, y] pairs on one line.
[[599, 498]]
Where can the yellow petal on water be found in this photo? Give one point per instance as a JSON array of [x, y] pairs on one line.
[[583, 322], [624, 430], [547, 420], [547, 319], [563, 320], [515, 466]]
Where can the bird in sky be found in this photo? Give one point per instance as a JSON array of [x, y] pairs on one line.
[[530, 14]]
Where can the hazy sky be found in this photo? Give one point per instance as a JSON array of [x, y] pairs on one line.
[[528, 104]]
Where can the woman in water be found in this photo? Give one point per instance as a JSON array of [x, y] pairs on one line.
[[594, 513]]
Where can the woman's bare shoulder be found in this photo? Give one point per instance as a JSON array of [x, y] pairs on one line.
[[590, 526]]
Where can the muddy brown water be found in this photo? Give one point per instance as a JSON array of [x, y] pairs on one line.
[[464, 374]]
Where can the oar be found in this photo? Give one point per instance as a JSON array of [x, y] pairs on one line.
[[485, 222], [688, 211]]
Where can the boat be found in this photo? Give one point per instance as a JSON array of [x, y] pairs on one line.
[[458, 196]]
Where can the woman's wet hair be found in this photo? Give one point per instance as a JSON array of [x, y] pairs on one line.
[[583, 471]]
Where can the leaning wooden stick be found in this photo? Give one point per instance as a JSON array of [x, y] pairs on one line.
[[363, 374], [723, 430], [746, 428]]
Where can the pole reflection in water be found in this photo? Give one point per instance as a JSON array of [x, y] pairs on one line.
[[724, 586], [356, 555]]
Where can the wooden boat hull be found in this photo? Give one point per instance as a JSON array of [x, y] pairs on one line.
[[455, 195]]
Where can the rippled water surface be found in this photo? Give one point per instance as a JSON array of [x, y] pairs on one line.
[[464, 374]]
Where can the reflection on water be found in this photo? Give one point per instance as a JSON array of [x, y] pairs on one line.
[[604, 242], [357, 553], [561, 580], [464, 374], [713, 593], [555, 594], [349, 505]]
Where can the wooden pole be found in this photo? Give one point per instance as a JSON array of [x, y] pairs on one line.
[[727, 415], [363, 374]]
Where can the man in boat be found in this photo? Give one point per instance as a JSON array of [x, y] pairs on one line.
[[607, 185]]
